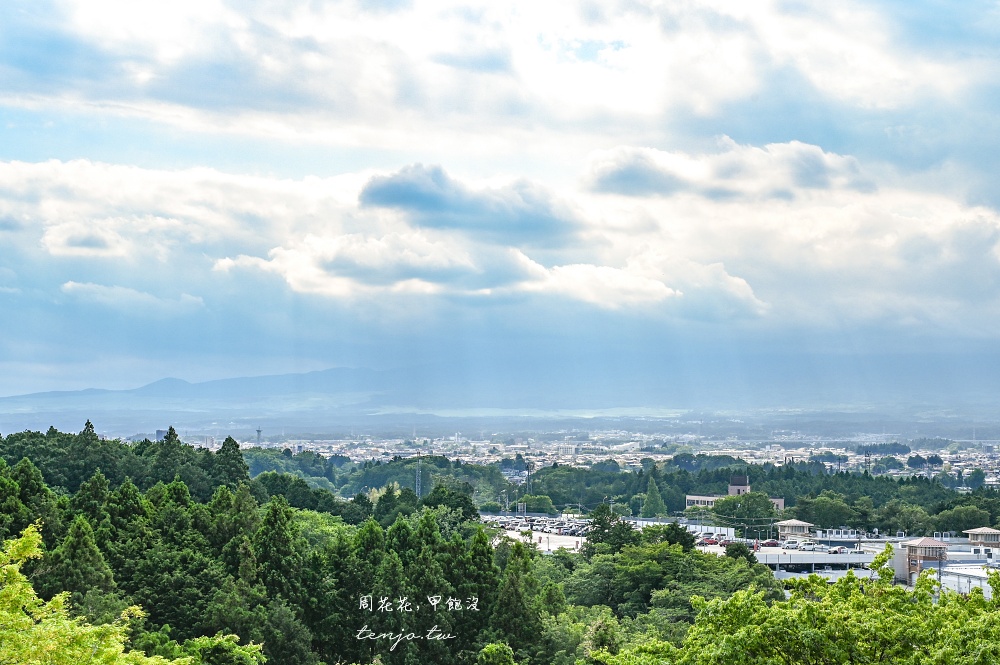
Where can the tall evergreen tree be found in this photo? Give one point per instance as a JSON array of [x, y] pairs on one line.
[[515, 618], [14, 515], [77, 565], [276, 546], [91, 501], [229, 467], [653, 505]]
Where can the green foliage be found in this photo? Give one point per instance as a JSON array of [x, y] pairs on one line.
[[34, 631], [827, 511], [539, 504], [752, 513], [278, 551], [882, 449], [672, 533], [229, 467], [456, 497], [495, 653], [960, 518], [77, 565], [854, 620], [279, 560], [661, 575], [515, 618], [740, 551], [653, 505], [609, 533], [898, 515]]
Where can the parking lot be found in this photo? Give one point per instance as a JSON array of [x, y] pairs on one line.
[[554, 526]]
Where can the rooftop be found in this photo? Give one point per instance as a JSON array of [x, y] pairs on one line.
[[793, 523], [924, 542]]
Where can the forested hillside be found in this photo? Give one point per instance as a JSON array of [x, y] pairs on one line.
[[233, 569], [229, 555]]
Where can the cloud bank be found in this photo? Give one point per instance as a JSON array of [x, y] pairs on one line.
[[200, 188]]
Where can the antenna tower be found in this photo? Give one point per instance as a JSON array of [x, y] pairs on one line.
[[258, 435], [417, 484]]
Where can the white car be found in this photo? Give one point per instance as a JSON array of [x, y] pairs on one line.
[[809, 546]]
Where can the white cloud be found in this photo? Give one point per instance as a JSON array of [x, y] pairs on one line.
[[436, 73], [777, 170], [131, 301], [785, 234], [96, 239], [83, 208], [604, 286], [845, 50]]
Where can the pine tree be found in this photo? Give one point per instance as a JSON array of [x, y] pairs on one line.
[[77, 565], [515, 618], [229, 467], [91, 501], [653, 505], [14, 515], [277, 550], [33, 631]]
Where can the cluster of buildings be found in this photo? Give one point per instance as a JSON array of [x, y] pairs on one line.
[[959, 563], [738, 486]]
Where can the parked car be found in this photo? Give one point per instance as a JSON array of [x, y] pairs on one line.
[[839, 549], [727, 541], [809, 546], [790, 544], [770, 543], [707, 541]]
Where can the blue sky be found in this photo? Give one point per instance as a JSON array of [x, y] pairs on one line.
[[212, 189]]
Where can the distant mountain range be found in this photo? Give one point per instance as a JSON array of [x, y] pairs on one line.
[[341, 399]]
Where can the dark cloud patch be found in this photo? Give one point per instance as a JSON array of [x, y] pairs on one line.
[[638, 175], [10, 224], [234, 81], [387, 274], [726, 194], [37, 57], [520, 213], [385, 6], [809, 169], [738, 172], [88, 241], [489, 273], [491, 61]]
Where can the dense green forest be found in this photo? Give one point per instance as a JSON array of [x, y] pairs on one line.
[[229, 568], [207, 552]]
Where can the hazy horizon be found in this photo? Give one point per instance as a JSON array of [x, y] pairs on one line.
[[575, 206]]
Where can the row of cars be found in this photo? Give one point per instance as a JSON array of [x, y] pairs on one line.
[[790, 544], [813, 546], [703, 539], [551, 525]]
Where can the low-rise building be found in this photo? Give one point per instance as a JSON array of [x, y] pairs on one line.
[[738, 486], [983, 536], [793, 529], [913, 556]]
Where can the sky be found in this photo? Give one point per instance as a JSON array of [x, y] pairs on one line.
[[617, 192]]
